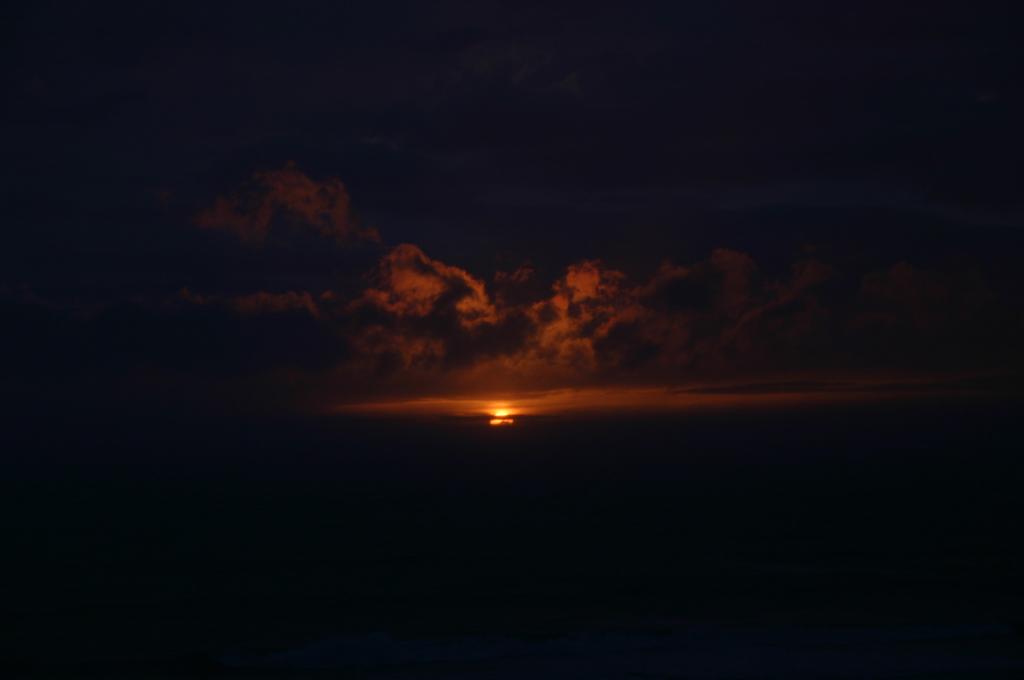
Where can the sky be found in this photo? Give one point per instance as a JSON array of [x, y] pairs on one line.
[[340, 204], [338, 333]]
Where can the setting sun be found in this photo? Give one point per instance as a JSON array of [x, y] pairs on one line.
[[501, 416]]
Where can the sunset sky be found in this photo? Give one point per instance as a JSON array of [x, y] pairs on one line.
[[354, 205], [512, 339]]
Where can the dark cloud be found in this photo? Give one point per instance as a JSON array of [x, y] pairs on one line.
[[287, 195], [687, 124], [179, 356]]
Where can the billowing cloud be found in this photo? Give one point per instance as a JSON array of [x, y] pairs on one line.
[[410, 284], [422, 312], [287, 195], [585, 304]]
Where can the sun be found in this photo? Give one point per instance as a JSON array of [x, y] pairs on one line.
[[501, 416]]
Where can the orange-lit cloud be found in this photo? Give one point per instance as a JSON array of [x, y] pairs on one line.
[[323, 207], [420, 312], [428, 325], [410, 284]]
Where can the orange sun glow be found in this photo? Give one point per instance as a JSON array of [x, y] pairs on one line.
[[605, 401], [501, 416]]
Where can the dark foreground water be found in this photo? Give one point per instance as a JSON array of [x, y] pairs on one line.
[[842, 541]]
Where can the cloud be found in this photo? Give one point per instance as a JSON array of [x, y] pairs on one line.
[[421, 325], [410, 284], [517, 286], [260, 302], [288, 195], [585, 304], [190, 351], [906, 296], [591, 325], [419, 311], [518, 276], [717, 318]]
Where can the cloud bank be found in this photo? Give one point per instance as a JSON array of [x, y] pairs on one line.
[[421, 326], [418, 325]]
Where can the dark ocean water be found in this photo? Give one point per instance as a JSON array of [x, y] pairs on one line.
[[838, 541]]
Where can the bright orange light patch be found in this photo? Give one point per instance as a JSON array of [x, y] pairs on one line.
[[501, 415]]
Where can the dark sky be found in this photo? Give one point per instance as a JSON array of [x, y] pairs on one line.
[[648, 191]]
